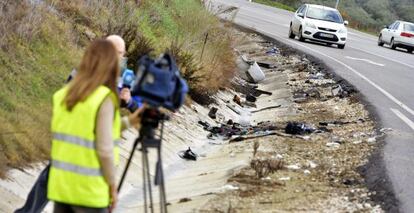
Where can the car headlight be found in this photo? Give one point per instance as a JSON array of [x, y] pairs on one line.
[[311, 25], [343, 30]]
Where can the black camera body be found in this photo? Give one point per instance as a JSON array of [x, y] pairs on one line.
[[159, 83]]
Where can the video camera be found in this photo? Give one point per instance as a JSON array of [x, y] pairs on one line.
[[159, 83]]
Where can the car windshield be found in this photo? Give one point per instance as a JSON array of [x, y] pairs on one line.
[[409, 27], [324, 14]]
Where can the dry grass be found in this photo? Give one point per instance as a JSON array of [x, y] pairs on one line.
[[41, 41]]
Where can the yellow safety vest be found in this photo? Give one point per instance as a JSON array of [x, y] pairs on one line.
[[75, 175]]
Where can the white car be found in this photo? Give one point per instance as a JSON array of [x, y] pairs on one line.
[[319, 23], [398, 34]]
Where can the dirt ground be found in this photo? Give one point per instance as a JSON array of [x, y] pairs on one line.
[[315, 172]]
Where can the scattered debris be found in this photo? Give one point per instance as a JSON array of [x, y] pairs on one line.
[[293, 167], [342, 90], [212, 113], [311, 164], [256, 73], [251, 98], [237, 100], [295, 128], [333, 144], [284, 178], [273, 51], [266, 108], [267, 65], [183, 200], [229, 187], [188, 154], [372, 140]]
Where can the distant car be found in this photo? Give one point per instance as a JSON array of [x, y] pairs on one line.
[[319, 23], [399, 34]]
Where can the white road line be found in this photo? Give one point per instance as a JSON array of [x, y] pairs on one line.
[[366, 60], [387, 58], [403, 117], [383, 91]]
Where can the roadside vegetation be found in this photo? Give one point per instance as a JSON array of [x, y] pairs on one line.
[[42, 41], [365, 15]]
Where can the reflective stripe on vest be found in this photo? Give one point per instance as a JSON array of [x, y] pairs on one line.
[[75, 175], [78, 141], [76, 169]]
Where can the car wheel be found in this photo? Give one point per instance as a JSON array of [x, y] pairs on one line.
[[392, 44], [291, 35], [341, 46], [410, 50], [300, 36], [380, 42]]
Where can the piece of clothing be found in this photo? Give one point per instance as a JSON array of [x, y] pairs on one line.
[[37, 198], [104, 143], [77, 175], [65, 208]]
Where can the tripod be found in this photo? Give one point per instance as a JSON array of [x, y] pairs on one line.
[[150, 121]]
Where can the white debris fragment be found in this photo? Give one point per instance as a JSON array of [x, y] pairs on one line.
[[357, 142], [306, 138], [367, 206], [230, 187], [312, 164], [293, 167], [278, 157], [256, 73], [385, 130], [372, 140], [333, 145], [284, 178], [232, 155], [306, 172], [267, 178]]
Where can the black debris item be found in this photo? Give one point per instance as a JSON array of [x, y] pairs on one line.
[[267, 65], [230, 122], [226, 131], [205, 124], [263, 92], [188, 154], [233, 109], [212, 113], [251, 98], [328, 123], [296, 128], [350, 181], [342, 90], [250, 104], [183, 200], [323, 129], [267, 108]]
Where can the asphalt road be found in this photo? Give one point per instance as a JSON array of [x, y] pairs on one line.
[[384, 76]]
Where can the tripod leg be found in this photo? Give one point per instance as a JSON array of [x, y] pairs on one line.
[[128, 164], [148, 179], [163, 199], [144, 181]]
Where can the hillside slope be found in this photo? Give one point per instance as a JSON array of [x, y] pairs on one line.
[[42, 41]]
